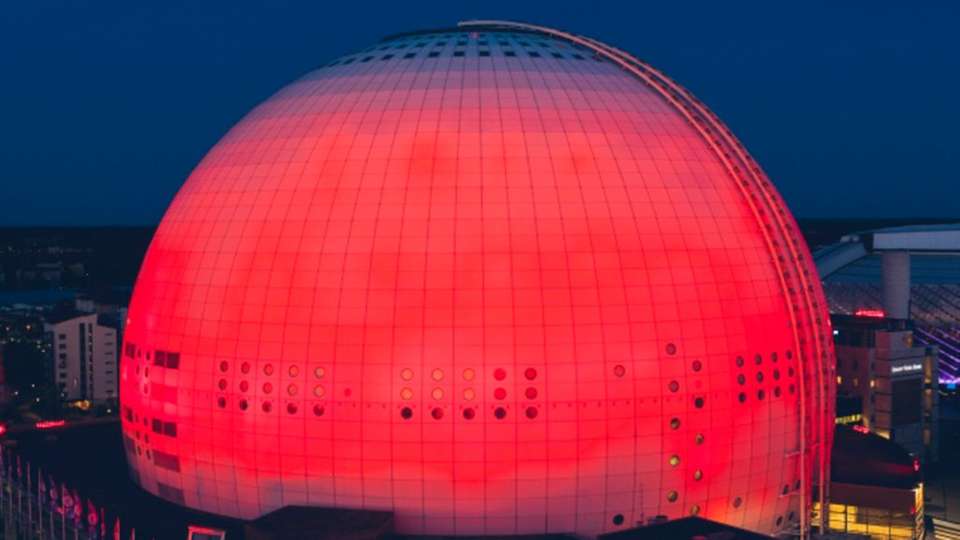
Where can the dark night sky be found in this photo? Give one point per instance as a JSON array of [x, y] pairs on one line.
[[105, 106]]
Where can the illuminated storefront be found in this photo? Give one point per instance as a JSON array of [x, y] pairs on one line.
[[877, 488]]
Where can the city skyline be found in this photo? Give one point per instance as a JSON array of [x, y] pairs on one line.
[[113, 105]]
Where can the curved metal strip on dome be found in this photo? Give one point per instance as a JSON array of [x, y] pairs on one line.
[[784, 246]]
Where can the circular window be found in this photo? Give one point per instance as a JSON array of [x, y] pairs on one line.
[[243, 404], [759, 377], [618, 519], [531, 412], [500, 393], [436, 413], [267, 388], [674, 386], [742, 397], [244, 386], [406, 394], [699, 402], [739, 361], [776, 391], [619, 370], [437, 374], [292, 390], [671, 349], [530, 374], [776, 374], [437, 393], [318, 410], [267, 406], [674, 460], [292, 408], [319, 372], [758, 359], [672, 496], [792, 389], [268, 369], [737, 502], [406, 374], [674, 423], [699, 438], [319, 391], [222, 384], [221, 402], [761, 394], [531, 393], [695, 509], [224, 366], [245, 367], [293, 371], [500, 374], [773, 357], [697, 365], [469, 394], [500, 413], [406, 413], [468, 374], [468, 414], [697, 475], [741, 379]]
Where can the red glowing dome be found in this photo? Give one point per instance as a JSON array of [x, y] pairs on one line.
[[497, 280]]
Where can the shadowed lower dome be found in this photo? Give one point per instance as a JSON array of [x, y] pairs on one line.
[[496, 279]]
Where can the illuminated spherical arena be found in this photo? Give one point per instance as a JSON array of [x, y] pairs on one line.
[[496, 279]]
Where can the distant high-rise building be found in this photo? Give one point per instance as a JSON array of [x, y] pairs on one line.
[[894, 379], [84, 352]]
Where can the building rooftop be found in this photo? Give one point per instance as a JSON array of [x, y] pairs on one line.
[[865, 458], [688, 528]]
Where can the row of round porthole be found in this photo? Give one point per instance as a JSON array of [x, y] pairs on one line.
[[742, 379], [742, 396], [406, 393], [406, 413], [293, 371], [499, 374], [406, 374], [758, 358], [469, 394], [438, 374]]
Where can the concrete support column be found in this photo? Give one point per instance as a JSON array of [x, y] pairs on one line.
[[896, 284]]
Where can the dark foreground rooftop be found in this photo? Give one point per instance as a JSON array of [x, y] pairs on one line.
[[688, 528]]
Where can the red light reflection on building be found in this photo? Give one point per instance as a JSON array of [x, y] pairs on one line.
[[516, 297]]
